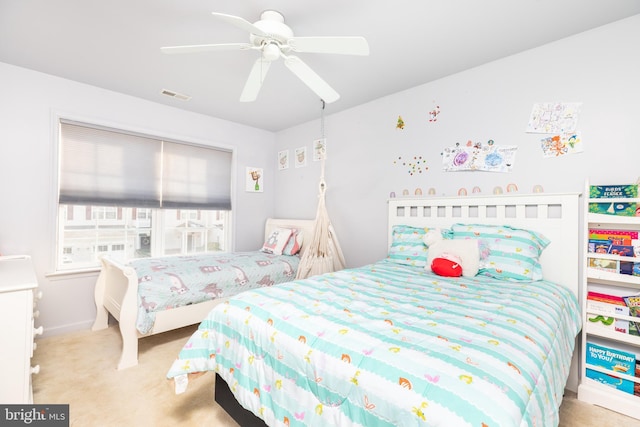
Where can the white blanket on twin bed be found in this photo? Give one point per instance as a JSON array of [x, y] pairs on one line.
[[387, 344]]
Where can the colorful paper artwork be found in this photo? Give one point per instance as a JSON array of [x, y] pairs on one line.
[[283, 159], [479, 157], [554, 117], [559, 145], [400, 123], [416, 165], [253, 178]]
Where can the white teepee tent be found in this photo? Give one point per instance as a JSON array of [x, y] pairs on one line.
[[323, 253]]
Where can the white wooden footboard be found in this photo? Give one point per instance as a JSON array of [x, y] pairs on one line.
[[116, 294]]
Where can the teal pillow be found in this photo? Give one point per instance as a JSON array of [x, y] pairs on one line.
[[507, 253], [407, 247]]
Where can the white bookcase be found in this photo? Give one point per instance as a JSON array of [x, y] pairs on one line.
[[602, 281]]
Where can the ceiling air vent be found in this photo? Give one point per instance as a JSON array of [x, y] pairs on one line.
[[175, 95]]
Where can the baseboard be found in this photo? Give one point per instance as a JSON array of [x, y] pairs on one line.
[[66, 329]]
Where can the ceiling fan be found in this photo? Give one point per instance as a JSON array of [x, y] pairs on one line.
[[274, 39]]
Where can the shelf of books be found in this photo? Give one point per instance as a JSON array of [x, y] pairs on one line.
[[610, 373]]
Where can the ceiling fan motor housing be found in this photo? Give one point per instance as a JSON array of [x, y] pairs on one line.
[[272, 24]]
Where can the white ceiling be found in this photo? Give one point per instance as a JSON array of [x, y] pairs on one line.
[[115, 45]]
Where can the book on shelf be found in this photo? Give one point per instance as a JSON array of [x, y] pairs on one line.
[[636, 386], [633, 304], [613, 360], [614, 208], [615, 266], [611, 305], [616, 242], [617, 237], [603, 264], [627, 191]]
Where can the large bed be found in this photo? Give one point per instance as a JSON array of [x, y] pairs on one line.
[[154, 295], [393, 344]]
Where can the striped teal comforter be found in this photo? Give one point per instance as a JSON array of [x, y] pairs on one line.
[[392, 345]]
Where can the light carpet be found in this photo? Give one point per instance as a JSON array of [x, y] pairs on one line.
[[79, 369]]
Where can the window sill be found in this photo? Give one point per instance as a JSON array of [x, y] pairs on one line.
[[64, 274]]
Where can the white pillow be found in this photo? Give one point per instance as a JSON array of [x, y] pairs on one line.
[[467, 250], [276, 241]]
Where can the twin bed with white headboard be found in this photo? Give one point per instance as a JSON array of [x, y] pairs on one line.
[[392, 343]]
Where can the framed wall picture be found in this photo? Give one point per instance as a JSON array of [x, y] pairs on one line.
[[301, 157], [283, 159], [319, 149], [254, 180]]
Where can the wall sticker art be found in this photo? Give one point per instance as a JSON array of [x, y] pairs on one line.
[[301, 157], [400, 123], [253, 178], [559, 145], [433, 114], [415, 165], [479, 157], [554, 117], [283, 159]]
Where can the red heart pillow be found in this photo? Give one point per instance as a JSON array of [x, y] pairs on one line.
[[446, 267]]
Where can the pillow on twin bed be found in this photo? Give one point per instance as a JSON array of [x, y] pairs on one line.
[[294, 244], [407, 246], [277, 241], [507, 253]]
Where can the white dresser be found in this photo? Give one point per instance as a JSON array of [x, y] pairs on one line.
[[18, 291]]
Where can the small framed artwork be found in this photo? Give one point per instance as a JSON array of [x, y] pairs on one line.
[[283, 159], [301, 157], [319, 149], [254, 180]]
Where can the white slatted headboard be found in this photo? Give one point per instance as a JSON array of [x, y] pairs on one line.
[[554, 215]]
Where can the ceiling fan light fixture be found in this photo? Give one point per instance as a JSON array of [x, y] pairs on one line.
[[271, 52]]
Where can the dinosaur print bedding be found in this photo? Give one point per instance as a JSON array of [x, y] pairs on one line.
[[391, 345], [173, 281]]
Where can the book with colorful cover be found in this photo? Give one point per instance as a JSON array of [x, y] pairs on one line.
[[611, 305], [626, 236], [633, 303], [613, 192], [629, 191], [608, 265], [613, 208], [613, 360]]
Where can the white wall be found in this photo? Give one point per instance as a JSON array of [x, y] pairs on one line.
[[599, 68], [29, 103]]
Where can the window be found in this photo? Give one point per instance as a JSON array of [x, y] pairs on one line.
[[130, 196]]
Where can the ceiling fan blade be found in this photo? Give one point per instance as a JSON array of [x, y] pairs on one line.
[[240, 23], [339, 45], [254, 82], [311, 79], [205, 48]]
